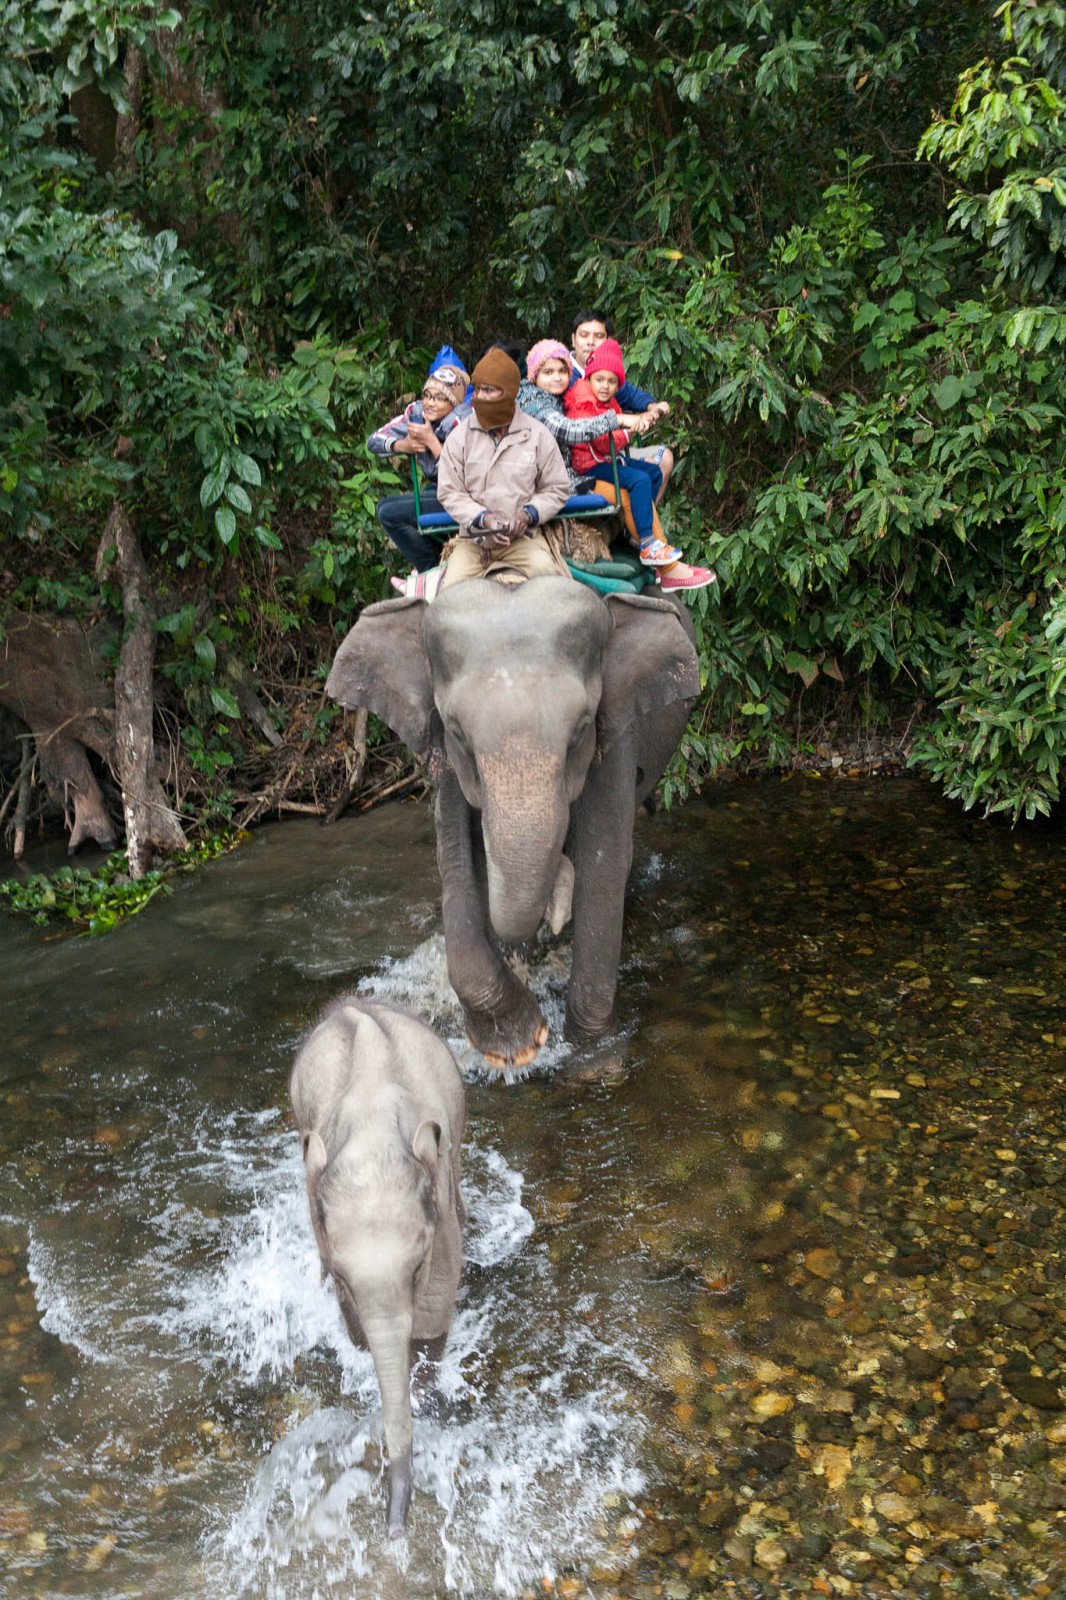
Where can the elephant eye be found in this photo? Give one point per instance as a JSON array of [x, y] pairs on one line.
[[580, 731]]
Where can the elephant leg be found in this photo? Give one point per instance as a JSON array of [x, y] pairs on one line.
[[503, 1020], [602, 845]]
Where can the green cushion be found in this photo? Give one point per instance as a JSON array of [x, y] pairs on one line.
[[603, 585], [623, 574]]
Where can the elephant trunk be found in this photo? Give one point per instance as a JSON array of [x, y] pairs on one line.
[[389, 1339], [399, 1492], [524, 819]]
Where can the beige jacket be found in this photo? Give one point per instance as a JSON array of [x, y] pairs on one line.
[[476, 474]]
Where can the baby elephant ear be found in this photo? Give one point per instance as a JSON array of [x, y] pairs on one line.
[[382, 665], [315, 1163], [650, 661], [425, 1145]]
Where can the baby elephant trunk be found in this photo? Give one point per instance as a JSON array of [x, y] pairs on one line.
[[390, 1346], [399, 1492]]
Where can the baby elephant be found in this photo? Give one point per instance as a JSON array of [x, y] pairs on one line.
[[380, 1106]]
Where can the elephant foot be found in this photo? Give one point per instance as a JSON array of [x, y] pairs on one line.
[[521, 1058], [508, 1039], [584, 1029]]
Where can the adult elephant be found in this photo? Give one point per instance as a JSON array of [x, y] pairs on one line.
[[545, 714]]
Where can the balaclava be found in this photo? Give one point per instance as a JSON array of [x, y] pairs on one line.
[[497, 368]]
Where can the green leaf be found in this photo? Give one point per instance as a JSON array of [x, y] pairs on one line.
[[948, 393], [214, 483], [224, 702], [804, 668], [237, 496], [247, 469], [205, 651], [225, 524]]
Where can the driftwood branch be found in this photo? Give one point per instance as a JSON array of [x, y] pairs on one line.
[[22, 810], [359, 766]]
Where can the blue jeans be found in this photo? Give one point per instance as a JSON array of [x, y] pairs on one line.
[[643, 480], [397, 517]]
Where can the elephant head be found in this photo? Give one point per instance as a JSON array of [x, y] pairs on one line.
[[517, 690]]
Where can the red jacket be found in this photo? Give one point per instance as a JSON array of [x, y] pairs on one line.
[[579, 401]]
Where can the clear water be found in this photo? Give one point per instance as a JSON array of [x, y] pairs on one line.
[[181, 1412]]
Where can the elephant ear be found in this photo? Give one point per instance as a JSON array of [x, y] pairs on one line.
[[426, 1148], [650, 662], [382, 665], [425, 1145], [315, 1163]]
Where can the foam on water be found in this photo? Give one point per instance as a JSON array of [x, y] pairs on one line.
[[419, 983]]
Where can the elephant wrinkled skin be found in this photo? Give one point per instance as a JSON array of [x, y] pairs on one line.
[[545, 714], [380, 1106]]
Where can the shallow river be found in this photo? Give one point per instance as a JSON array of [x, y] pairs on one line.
[[764, 1295]]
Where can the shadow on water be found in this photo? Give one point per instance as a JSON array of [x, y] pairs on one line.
[[764, 1295]]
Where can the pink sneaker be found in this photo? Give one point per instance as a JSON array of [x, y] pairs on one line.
[[680, 576]]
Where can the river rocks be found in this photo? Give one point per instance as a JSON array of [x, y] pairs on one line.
[[1033, 1390], [923, 1364], [904, 1267], [769, 1404], [823, 1263], [769, 1554]]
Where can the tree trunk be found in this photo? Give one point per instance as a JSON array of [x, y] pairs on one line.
[[151, 822], [128, 123], [50, 679]]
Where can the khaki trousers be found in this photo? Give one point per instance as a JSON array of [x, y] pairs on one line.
[[532, 558]]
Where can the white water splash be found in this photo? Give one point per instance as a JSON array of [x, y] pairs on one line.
[[58, 1304], [208, 1284], [652, 869], [419, 983], [512, 1460]]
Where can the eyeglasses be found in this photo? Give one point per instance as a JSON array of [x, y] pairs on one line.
[[435, 394]]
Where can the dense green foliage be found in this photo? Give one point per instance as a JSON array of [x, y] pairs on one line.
[[831, 234]]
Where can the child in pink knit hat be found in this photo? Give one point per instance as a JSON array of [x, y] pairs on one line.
[[549, 375], [594, 396]]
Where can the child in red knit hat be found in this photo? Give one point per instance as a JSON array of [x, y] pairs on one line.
[[594, 395]]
